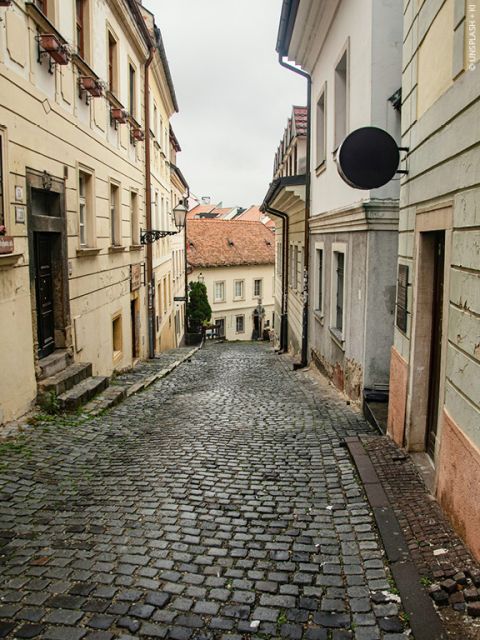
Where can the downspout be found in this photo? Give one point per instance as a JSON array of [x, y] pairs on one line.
[[306, 250], [285, 258], [148, 212], [185, 319]]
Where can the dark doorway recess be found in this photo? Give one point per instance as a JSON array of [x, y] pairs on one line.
[[438, 238]]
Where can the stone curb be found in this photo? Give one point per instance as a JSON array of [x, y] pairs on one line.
[[122, 392], [424, 621]]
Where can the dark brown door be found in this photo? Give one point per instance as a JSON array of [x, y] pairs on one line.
[[436, 341], [133, 320], [44, 291]]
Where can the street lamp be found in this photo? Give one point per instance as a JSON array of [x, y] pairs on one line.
[[180, 215]]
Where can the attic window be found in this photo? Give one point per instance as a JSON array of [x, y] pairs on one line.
[[230, 243], [267, 242]]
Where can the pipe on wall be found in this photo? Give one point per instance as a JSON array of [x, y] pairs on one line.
[[148, 212]]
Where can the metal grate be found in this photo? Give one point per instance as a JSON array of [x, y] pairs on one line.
[[402, 297]]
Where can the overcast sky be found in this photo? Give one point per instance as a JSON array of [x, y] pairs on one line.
[[234, 97]]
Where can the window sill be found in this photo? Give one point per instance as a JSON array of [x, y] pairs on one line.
[[337, 337], [239, 299], [319, 317], [87, 251], [218, 301], [136, 247], [9, 259], [116, 248]]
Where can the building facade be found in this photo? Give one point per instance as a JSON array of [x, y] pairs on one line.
[[235, 261], [435, 365], [285, 202], [72, 192], [352, 53]]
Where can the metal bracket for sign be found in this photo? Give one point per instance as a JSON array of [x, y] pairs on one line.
[[149, 237], [403, 172]]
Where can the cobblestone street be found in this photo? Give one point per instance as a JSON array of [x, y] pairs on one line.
[[219, 503]]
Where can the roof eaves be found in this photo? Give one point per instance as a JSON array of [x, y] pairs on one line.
[[163, 57], [285, 28], [281, 183]]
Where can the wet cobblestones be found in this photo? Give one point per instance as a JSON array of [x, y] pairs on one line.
[[219, 503]]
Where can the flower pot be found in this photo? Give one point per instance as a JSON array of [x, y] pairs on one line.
[[119, 115], [92, 85], [6, 244], [52, 45]]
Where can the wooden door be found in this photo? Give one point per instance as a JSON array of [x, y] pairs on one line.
[[44, 291]]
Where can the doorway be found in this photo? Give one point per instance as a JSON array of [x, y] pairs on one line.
[[220, 323], [44, 279], [438, 264], [134, 326]]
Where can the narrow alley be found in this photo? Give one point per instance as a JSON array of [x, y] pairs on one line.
[[217, 504]]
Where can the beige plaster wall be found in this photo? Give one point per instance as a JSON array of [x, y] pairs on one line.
[[231, 307]]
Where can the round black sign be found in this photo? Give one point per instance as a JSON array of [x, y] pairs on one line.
[[368, 158]]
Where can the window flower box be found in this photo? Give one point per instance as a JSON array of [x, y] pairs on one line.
[[138, 134], [6, 244], [55, 49], [5, 3], [119, 115], [92, 85]]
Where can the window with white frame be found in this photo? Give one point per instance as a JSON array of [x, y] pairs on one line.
[[341, 99], [240, 324], [134, 218], [82, 209], [319, 278], [338, 290], [115, 220], [321, 128], [238, 289], [219, 291], [257, 287]]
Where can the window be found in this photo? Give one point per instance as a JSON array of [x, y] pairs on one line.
[[117, 337], [83, 208], [240, 324], [112, 63], [80, 26], [115, 226], [219, 292], [134, 221], [132, 93], [402, 297], [155, 120], [299, 276], [238, 292], [321, 128], [2, 193], [42, 5], [165, 298], [338, 291], [341, 97], [257, 288], [319, 282], [160, 298], [279, 260]]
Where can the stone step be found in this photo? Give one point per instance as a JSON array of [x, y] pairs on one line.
[[105, 400], [53, 364], [82, 392], [64, 380]]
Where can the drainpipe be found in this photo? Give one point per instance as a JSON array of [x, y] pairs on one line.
[[284, 305], [148, 212], [185, 320], [306, 250]]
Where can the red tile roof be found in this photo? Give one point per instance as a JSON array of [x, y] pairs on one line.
[[300, 116], [222, 243]]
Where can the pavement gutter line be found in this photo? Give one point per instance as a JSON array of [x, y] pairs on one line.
[[423, 619]]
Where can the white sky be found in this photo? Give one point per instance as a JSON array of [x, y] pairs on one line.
[[234, 97]]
